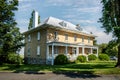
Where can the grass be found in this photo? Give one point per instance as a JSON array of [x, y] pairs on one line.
[[98, 67]]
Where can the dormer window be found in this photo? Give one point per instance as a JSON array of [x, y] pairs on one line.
[[63, 24]]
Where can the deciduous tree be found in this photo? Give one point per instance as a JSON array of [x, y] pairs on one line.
[[10, 36], [111, 21]]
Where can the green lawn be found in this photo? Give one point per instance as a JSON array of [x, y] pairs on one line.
[[100, 67]]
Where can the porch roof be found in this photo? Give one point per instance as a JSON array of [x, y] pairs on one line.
[[71, 44]]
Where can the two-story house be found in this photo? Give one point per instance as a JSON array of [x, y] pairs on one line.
[[54, 36]]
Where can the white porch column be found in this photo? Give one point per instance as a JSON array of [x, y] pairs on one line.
[[97, 52], [77, 51], [83, 52], [91, 50], [47, 55], [66, 50], [52, 54]]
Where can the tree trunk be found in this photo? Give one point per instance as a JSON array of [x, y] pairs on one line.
[[118, 61]]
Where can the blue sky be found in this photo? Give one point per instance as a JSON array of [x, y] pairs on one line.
[[83, 12]]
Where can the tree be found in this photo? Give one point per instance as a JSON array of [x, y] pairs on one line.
[[10, 37], [102, 48], [111, 21], [31, 20], [111, 48]]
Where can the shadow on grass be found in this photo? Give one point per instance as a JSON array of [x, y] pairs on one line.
[[83, 70], [81, 74]]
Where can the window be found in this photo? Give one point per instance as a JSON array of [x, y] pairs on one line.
[[28, 50], [29, 38], [38, 50], [83, 39], [75, 38], [38, 36], [88, 40], [66, 36], [55, 33]]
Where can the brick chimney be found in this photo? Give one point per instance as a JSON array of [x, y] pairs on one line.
[[35, 19]]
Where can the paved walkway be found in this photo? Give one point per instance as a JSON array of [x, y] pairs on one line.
[[54, 76]]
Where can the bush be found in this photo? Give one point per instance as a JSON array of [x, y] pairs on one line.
[[104, 57], [13, 58], [61, 59], [81, 58], [92, 57]]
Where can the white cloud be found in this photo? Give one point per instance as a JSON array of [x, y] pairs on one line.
[[88, 9], [59, 2], [22, 24], [101, 36], [24, 7], [82, 21]]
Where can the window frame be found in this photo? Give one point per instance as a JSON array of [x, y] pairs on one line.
[[88, 39], [28, 51], [29, 38], [75, 37], [66, 36], [38, 36], [82, 38], [38, 50], [55, 34]]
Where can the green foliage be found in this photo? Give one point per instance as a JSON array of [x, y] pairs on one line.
[[61, 59], [109, 49], [10, 36], [14, 58], [81, 58], [112, 48], [92, 57], [111, 21], [104, 57], [102, 47]]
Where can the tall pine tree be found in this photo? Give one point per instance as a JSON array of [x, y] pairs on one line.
[[111, 21], [10, 37]]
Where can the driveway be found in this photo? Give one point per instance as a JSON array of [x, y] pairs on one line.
[[54, 76]]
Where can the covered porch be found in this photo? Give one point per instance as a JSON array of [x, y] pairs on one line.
[[70, 50]]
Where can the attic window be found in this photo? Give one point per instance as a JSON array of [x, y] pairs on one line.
[[63, 24]]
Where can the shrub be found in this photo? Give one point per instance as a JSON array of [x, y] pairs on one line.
[[81, 58], [13, 58], [92, 57], [104, 57], [61, 59]]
